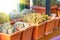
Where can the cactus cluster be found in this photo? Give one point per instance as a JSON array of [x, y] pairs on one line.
[[7, 28], [21, 25], [35, 18]]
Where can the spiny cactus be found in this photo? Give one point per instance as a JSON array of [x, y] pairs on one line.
[[35, 18], [7, 28], [21, 25], [14, 15], [4, 17]]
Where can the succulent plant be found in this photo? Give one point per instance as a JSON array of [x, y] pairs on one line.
[[7, 28], [27, 11], [24, 12], [14, 15], [0, 29], [35, 18], [45, 17], [21, 25], [4, 17]]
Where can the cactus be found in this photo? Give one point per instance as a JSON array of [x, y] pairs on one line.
[[14, 15], [7, 28], [35, 18], [21, 25], [4, 17], [0, 29]]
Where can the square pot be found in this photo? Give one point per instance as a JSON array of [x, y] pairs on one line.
[[59, 13], [56, 23], [13, 36], [58, 10], [49, 26], [59, 23], [39, 31], [27, 33], [54, 9]]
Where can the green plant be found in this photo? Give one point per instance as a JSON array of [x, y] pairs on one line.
[[35, 18], [4, 17]]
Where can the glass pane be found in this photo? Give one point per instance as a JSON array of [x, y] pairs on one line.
[[54, 2], [58, 2], [39, 3], [8, 5], [43, 3]]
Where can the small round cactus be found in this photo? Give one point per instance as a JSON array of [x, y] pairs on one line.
[[14, 15], [8, 28], [4, 17], [21, 25]]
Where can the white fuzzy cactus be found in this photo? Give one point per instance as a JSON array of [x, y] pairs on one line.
[[7, 28], [21, 25]]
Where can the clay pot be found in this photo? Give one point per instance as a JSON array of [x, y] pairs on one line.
[[39, 9], [27, 33], [13, 36], [56, 23], [49, 26], [58, 11], [54, 9], [39, 31]]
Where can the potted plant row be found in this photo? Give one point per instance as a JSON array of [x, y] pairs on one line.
[[31, 25], [39, 21], [27, 32]]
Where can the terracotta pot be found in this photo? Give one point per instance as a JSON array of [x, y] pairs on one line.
[[0, 24], [54, 9], [58, 11], [56, 23], [13, 36], [27, 33], [39, 31], [49, 26], [0, 37], [19, 20], [12, 22], [59, 23], [39, 9]]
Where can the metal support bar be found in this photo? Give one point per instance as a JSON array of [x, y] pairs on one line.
[[48, 7]]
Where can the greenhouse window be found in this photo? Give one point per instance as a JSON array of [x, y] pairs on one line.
[[8, 5]]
